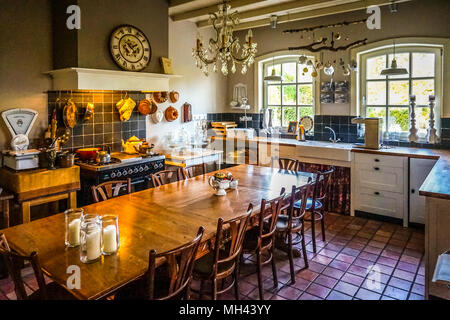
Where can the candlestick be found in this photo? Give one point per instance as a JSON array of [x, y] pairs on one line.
[[431, 133], [91, 239], [93, 244], [413, 136], [73, 218], [74, 233], [109, 239]]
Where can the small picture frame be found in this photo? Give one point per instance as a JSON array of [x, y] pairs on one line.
[[326, 97], [167, 65], [292, 128], [342, 86], [340, 97], [327, 86]]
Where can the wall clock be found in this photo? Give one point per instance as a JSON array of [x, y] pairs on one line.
[[130, 48]]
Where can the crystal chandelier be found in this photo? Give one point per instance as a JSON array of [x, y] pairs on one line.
[[223, 51]]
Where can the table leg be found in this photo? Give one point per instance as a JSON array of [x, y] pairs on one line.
[[72, 200], [5, 207], [26, 209]]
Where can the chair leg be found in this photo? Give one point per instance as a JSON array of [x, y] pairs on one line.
[[236, 279], [305, 256], [259, 271], [313, 230], [274, 268], [214, 289], [291, 258]]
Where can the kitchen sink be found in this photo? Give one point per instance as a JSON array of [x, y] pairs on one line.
[[324, 150]]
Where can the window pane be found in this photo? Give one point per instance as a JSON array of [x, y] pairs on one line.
[[276, 116], [305, 76], [377, 112], [305, 94], [422, 120], [402, 62], [376, 93], [305, 111], [398, 119], [274, 95], [374, 66], [398, 92], [422, 89], [269, 69], [289, 71], [423, 64], [289, 95], [289, 114]]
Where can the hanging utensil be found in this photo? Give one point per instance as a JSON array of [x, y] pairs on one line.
[[70, 114]]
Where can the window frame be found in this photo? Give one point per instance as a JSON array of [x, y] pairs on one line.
[[267, 65], [405, 48]]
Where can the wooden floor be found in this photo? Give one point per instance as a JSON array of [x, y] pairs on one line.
[[339, 270]]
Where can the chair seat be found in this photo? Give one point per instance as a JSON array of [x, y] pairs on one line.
[[251, 239], [54, 292], [203, 266], [309, 204], [283, 221]]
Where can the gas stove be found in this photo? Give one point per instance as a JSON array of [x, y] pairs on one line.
[[121, 167]]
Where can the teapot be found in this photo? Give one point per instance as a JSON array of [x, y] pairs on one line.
[[219, 183], [131, 144]]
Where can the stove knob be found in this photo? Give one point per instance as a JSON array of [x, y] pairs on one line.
[[124, 173], [136, 170], [113, 175], [141, 169], [146, 168], [161, 165], [119, 174], [130, 171]]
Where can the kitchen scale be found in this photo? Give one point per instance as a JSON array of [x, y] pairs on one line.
[[19, 122]]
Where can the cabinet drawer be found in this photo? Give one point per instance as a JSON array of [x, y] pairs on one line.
[[379, 160], [380, 177], [384, 203], [287, 151]]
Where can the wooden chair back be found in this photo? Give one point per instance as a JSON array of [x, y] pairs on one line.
[[190, 172], [268, 217], [229, 239], [178, 266], [110, 189], [164, 177], [286, 163], [14, 263], [321, 187], [295, 215]]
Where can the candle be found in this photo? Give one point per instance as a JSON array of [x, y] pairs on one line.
[[74, 232], [110, 239], [93, 243]]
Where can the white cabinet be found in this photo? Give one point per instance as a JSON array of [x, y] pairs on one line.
[[418, 171], [380, 185]]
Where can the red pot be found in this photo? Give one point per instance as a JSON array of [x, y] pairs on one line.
[[87, 153]]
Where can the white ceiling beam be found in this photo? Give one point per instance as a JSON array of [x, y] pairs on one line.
[[336, 9], [207, 10]]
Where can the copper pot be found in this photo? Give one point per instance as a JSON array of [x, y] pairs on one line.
[[87, 153]]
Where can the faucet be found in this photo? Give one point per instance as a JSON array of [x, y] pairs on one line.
[[334, 140]]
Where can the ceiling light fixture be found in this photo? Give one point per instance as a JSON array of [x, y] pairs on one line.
[[224, 49], [273, 76], [394, 70]]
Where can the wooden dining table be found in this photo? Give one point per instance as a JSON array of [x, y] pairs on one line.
[[161, 218]]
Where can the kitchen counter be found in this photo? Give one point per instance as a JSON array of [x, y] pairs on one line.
[[436, 185], [193, 156]]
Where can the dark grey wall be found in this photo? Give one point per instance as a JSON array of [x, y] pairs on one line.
[[65, 41]]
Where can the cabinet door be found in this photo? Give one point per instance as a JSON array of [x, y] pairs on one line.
[[418, 171], [384, 203], [380, 177]]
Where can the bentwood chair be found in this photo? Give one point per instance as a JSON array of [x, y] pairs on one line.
[[192, 171], [170, 281], [164, 177], [110, 189], [285, 163], [260, 240], [223, 259], [14, 263], [291, 228], [315, 206]]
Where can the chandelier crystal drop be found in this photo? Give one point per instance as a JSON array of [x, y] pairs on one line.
[[222, 53]]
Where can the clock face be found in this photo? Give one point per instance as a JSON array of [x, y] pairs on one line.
[[130, 48]]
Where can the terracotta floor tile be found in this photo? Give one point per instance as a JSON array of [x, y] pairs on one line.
[[409, 259], [277, 297], [372, 250], [386, 298], [403, 275], [390, 254], [245, 287], [300, 283], [364, 294], [368, 256], [336, 295], [414, 296], [343, 266], [420, 279], [328, 253], [373, 285], [418, 289], [387, 261], [362, 263], [345, 258], [322, 259], [346, 288], [318, 290], [289, 293], [316, 267], [332, 272], [254, 295], [396, 293], [307, 296], [326, 281], [351, 251], [359, 271], [400, 283], [352, 279]]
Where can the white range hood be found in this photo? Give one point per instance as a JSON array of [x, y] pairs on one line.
[[97, 79]]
